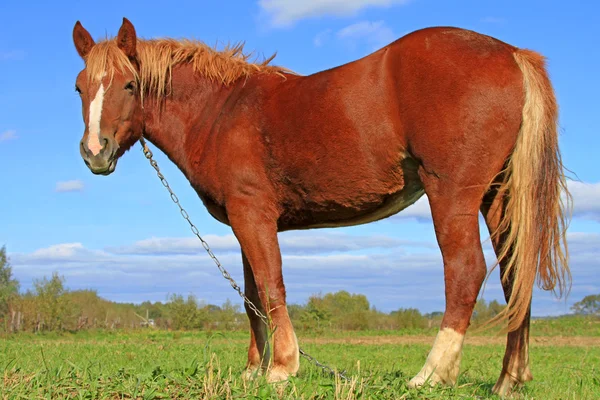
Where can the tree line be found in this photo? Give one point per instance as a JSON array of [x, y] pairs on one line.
[[50, 306]]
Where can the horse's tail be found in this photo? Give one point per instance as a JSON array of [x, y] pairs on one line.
[[535, 219]]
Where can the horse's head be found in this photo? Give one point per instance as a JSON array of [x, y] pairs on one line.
[[110, 97]]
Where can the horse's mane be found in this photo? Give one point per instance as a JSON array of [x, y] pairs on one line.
[[157, 57]]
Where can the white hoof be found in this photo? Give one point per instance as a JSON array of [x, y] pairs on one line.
[[277, 374], [421, 379], [251, 373]]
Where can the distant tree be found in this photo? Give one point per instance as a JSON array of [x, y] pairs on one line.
[[89, 309], [485, 311], [344, 302], [350, 311], [53, 306], [589, 305], [295, 311], [409, 318], [341, 310], [9, 287], [317, 313], [158, 312], [229, 315], [187, 313], [434, 314]]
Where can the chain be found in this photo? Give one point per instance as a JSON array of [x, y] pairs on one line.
[[148, 154], [324, 367], [195, 231]]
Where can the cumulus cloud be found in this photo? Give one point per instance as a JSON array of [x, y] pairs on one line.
[[584, 242], [586, 200], [60, 253], [188, 245], [371, 35], [375, 34], [69, 186], [8, 135], [586, 204], [317, 243], [322, 37], [420, 211], [392, 272], [287, 12], [298, 243], [149, 269]]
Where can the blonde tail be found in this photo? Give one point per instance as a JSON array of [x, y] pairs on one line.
[[535, 219]]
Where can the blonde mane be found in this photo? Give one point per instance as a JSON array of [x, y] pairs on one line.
[[157, 57]]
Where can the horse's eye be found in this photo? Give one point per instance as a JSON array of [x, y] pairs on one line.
[[77, 89], [130, 86]]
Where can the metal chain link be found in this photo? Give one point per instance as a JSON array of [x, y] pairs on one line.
[[148, 154], [324, 367]]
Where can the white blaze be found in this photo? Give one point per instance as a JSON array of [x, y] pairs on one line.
[[94, 121]]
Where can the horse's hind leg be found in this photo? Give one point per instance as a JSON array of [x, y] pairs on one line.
[[455, 210], [515, 367]]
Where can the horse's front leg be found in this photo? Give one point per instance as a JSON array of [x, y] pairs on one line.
[[258, 351], [254, 223]]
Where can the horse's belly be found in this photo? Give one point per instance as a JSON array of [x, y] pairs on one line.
[[393, 204], [359, 203]]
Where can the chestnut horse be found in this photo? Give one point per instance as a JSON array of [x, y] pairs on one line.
[[465, 118]]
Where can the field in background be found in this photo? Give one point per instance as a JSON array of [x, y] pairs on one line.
[[565, 356]]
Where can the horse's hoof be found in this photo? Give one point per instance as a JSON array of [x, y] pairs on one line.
[[251, 373], [277, 374], [420, 380]]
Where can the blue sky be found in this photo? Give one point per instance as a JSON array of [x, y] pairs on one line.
[[122, 236]]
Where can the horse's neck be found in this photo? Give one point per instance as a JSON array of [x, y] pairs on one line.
[[191, 107]]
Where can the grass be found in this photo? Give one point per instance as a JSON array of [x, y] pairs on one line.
[[198, 365]]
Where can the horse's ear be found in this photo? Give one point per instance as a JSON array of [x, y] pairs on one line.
[[82, 39], [127, 39]]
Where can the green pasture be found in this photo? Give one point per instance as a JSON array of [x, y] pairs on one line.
[[198, 365]]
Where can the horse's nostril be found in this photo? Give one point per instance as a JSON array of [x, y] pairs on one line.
[[85, 150]]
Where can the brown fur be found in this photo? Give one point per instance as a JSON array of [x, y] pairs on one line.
[[441, 111]]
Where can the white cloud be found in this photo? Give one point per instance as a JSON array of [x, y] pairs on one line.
[[586, 203], [187, 245], [385, 277], [297, 243], [321, 37], [69, 186], [586, 200], [420, 210], [370, 34], [8, 135], [315, 242], [392, 273], [581, 242], [375, 34], [287, 12], [61, 253]]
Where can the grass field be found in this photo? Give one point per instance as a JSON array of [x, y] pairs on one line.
[[197, 365]]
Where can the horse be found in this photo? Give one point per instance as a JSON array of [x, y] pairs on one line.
[[465, 118]]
